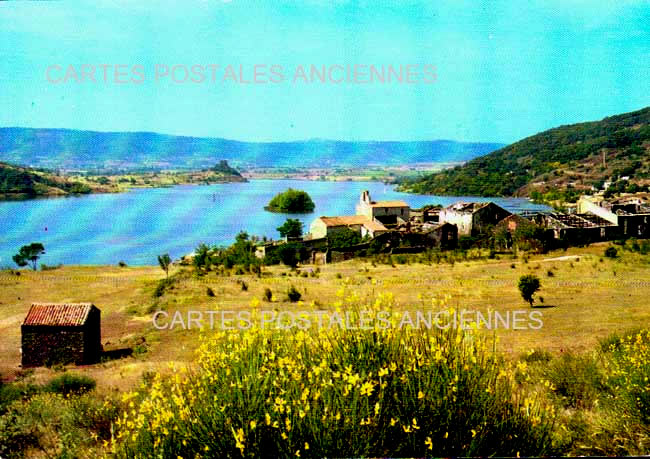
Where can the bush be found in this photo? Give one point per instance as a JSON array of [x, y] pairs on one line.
[[611, 252], [210, 292], [368, 398], [268, 294], [45, 267], [293, 294], [537, 355], [631, 362], [577, 380], [10, 392], [121, 264], [163, 285], [53, 425], [70, 383]]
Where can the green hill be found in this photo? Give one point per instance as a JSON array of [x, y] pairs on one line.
[[567, 159], [147, 151], [24, 182]]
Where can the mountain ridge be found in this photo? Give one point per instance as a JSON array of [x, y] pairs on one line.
[[55, 148]]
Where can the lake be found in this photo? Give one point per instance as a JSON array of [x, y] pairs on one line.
[[137, 226]]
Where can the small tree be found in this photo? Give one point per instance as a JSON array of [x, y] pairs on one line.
[[201, 258], [288, 255], [528, 285], [291, 228], [164, 261], [29, 253]]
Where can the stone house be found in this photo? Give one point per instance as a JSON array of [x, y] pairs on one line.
[[387, 212], [473, 218], [327, 226], [61, 333]]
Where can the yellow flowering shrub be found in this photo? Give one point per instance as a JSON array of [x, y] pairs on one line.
[[383, 391]]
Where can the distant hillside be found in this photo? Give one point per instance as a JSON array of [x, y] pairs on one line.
[[573, 158], [24, 182], [87, 150]]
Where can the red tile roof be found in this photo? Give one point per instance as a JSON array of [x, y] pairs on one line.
[[72, 314]]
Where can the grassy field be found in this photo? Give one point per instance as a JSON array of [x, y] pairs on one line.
[[585, 298], [572, 382]]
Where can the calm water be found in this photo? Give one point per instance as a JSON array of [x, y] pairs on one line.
[[137, 226]]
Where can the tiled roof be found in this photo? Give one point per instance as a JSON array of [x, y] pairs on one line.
[[345, 220], [374, 225], [388, 204], [72, 314]]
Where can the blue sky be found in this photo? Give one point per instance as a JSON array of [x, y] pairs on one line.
[[504, 69]]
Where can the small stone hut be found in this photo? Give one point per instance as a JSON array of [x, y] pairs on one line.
[[61, 333]]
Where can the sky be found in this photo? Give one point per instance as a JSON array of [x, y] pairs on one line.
[[492, 71]]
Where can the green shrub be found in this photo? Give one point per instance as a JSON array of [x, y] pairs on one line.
[[53, 425], [268, 294], [164, 285], [537, 355], [70, 383], [10, 392], [577, 380], [209, 292], [293, 294], [611, 252]]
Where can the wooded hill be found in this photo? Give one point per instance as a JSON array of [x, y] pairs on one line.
[[567, 159], [21, 181]]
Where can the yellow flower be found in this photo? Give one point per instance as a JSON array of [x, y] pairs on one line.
[[253, 424], [428, 443], [367, 388], [306, 446], [393, 421], [420, 395]]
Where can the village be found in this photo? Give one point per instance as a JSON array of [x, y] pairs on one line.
[[394, 227]]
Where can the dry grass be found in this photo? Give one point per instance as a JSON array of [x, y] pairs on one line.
[[590, 299]]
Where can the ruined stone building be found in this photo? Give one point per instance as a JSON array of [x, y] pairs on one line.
[[629, 213], [473, 218]]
